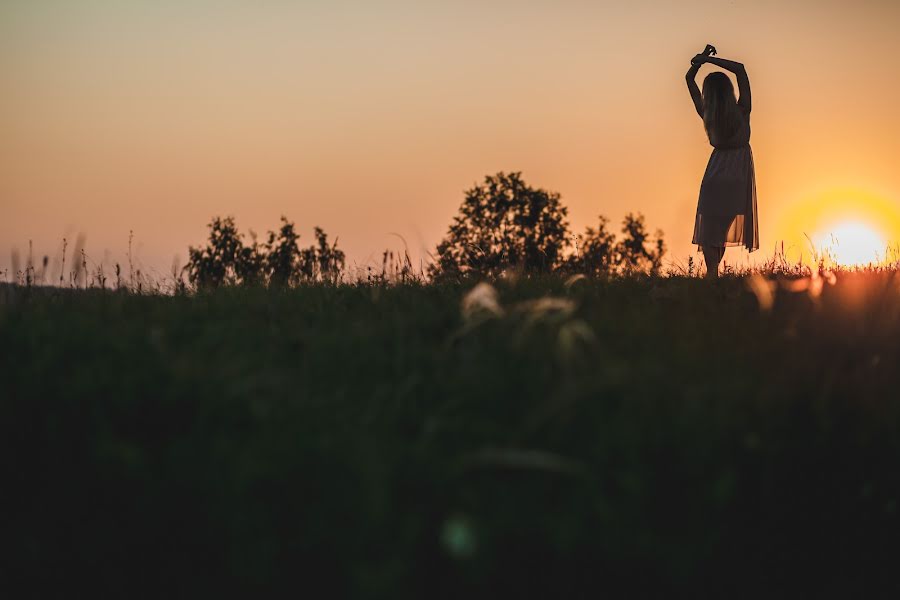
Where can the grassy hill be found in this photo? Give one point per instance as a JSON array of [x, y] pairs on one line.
[[649, 436]]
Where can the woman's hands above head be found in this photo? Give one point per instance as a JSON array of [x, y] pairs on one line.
[[703, 57]]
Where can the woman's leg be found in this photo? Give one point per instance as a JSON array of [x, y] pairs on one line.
[[713, 256]]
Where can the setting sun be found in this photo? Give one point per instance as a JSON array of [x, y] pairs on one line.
[[844, 225], [851, 243]]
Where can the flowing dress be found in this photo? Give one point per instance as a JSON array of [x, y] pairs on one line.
[[726, 210]]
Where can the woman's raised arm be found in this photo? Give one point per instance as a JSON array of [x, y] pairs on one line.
[[739, 71], [691, 78]]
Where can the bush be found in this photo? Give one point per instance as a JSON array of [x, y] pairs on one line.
[[501, 224], [505, 224], [226, 260], [638, 251], [598, 252]]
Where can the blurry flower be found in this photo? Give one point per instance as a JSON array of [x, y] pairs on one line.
[[574, 279], [573, 337], [481, 301], [812, 285], [546, 307], [795, 285], [815, 286], [763, 289]]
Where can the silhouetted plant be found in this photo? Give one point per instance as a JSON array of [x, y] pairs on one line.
[[218, 263], [638, 251], [283, 255], [595, 251], [226, 260], [321, 262], [501, 224], [598, 252], [250, 267]]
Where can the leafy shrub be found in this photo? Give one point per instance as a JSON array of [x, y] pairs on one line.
[[638, 251], [227, 260], [595, 252], [221, 262], [598, 252], [505, 223], [321, 262], [501, 224]]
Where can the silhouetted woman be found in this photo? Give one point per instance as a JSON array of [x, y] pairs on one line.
[[726, 211]]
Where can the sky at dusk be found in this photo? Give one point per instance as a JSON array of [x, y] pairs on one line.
[[370, 119]]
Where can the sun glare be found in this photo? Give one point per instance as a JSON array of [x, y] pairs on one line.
[[851, 243], [843, 226]]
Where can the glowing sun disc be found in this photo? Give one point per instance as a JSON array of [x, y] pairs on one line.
[[851, 243]]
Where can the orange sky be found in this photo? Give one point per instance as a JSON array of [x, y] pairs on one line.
[[371, 118]]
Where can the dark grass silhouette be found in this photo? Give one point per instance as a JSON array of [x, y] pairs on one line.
[[512, 426], [555, 438]]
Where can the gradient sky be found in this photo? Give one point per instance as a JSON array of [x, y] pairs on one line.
[[371, 118]]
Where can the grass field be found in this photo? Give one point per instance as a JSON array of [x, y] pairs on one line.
[[639, 437]]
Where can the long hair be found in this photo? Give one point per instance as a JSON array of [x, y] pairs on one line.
[[721, 117]]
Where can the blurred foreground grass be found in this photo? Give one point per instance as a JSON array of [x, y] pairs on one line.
[[645, 436]]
